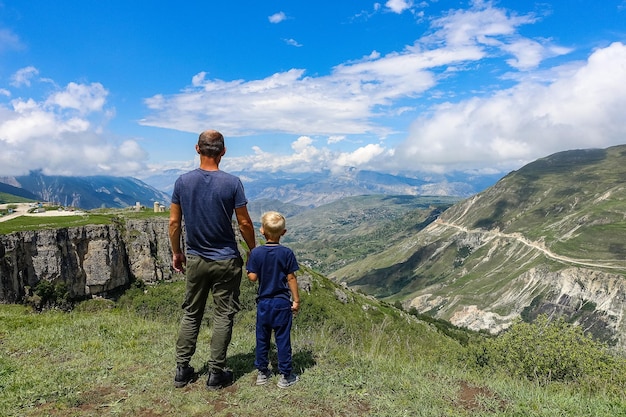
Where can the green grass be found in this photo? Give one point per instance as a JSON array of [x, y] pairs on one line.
[[26, 223], [10, 198], [145, 214], [361, 358], [92, 217]]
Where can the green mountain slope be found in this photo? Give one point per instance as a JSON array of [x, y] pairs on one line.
[[548, 238], [10, 198], [11, 194]]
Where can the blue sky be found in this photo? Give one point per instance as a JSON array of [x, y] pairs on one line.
[[122, 87]]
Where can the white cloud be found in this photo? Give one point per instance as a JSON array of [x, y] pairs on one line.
[[24, 76], [336, 139], [307, 157], [341, 103], [198, 79], [284, 102], [277, 17], [131, 150], [582, 109], [360, 157], [528, 54], [62, 135], [81, 97], [293, 42], [576, 107], [5, 92], [398, 6], [302, 144]]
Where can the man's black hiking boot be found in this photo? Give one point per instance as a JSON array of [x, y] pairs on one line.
[[219, 379], [184, 375]]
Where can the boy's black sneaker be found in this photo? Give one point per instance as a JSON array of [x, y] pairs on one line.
[[218, 380], [184, 375], [286, 381]]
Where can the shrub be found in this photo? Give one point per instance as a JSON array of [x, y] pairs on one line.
[[48, 294], [163, 301], [547, 351], [157, 302], [459, 334]]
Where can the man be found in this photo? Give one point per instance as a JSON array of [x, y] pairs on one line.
[[206, 198]]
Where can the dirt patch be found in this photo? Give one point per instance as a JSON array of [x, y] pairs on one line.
[[472, 398], [90, 401]]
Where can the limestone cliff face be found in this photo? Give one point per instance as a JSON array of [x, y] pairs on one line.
[[148, 248], [88, 260], [591, 299]]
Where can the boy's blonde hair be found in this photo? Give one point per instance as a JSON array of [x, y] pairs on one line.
[[273, 223]]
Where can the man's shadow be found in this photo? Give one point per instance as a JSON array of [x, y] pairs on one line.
[[243, 363]]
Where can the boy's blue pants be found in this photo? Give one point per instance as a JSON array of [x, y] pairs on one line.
[[274, 314]]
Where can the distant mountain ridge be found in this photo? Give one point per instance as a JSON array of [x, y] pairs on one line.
[[16, 191], [87, 192], [313, 189]]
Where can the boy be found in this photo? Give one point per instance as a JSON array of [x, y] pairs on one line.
[[274, 267]]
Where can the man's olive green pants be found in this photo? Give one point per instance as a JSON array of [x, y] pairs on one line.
[[222, 279]]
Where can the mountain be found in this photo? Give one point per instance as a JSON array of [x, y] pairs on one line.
[[164, 180], [547, 238], [297, 190], [86, 192], [11, 194], [257, 207], [314, 189]]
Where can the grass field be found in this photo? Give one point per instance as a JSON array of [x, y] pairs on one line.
[[92, 217], [361, 358]]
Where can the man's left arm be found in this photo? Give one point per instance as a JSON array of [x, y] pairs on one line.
[[175, 232], [245, 226]]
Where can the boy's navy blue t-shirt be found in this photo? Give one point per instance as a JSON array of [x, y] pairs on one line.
[[272, 264], [208, 200]]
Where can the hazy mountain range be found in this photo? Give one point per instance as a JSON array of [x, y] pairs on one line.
[[313, 189], [303, 189], [83, 192]]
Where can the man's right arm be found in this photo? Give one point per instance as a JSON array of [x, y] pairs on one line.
[[175, 232], [245, 226]]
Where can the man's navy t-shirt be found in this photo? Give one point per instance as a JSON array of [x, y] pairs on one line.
[[272, 264], [208, 200]]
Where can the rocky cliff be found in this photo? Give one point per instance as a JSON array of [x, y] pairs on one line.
[[84, 261], [511, 278]]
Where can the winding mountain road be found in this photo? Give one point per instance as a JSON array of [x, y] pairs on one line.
[[536, 245]]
